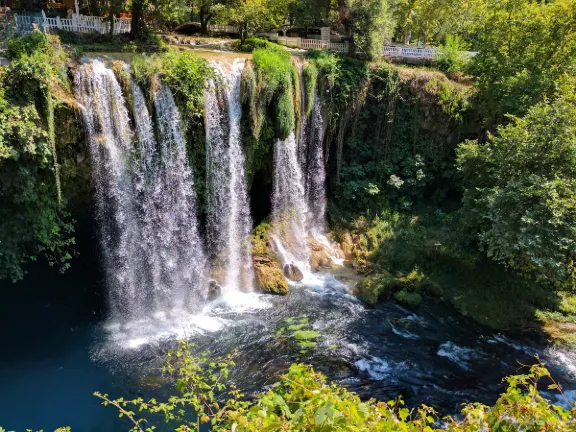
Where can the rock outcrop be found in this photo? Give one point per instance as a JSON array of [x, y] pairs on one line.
[[269, 277], [320, 255], [293, 273], [214, 290]]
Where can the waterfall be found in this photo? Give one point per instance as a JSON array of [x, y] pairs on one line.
[[289, 206], [145, 199], [229, 221], [313, 165], [299, 200]]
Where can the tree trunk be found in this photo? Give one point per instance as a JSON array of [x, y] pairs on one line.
[[137, 11], [204, 21], [111, 21]]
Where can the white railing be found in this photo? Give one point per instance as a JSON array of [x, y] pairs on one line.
[[309, 44], [219, 28], [78, 23], [290, 41], [416, 53], [410, 52]]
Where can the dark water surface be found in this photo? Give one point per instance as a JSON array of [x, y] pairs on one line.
[[56, 349]]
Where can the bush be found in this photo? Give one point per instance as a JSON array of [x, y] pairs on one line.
[[252, 43], [408, 298], [272, 84], [452, 57], [521, 189], [29, 44], [303, 400]]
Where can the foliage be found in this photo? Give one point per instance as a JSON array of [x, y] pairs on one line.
[[427, 19], [298, 331], [252, 43], [524, 47], [453, 99], [29, 171], [452, 57], [310, 13], [184, 72], [270, 84], [370, 23], [304, 400], [251, 16], [520, 192], [400, 141], [200, 383], [310, 75]]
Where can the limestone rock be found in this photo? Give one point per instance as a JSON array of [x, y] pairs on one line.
[[268, 275], [319, 255], [293, 273]]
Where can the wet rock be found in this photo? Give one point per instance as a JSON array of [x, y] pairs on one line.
[[320, 256], [293, 273], [214, 290], [348, 247], [268, 275]]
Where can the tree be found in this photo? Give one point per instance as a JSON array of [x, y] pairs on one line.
[[426, 19], [369, 22], [524, 47], [251, 16], [310, 13], [520, 191], [206, 10], [32, 220]]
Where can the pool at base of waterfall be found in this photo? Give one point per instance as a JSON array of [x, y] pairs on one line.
[[58, 349]]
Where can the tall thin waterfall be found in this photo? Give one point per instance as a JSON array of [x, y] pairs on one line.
[[145, 203], [299, 200], [312, 161], [229, 220], [289, 206]]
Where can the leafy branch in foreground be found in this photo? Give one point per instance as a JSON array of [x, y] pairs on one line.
[[303, 400], [200, 383]]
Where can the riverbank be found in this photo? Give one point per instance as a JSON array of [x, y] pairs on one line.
[[422, 254]]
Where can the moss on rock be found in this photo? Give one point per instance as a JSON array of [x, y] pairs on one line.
[[375, 288], [408, 298], [269, 277]]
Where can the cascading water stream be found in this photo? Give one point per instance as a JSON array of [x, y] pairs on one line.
[[289, 206], [299, 205], [313, 163], [229, 220], [145, 200]]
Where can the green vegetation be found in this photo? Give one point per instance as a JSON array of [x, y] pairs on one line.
[[33, 219], [298, 331], [271, 84], [524, 47], [303, 400], [252, 43], [310, 75], [519, 193]]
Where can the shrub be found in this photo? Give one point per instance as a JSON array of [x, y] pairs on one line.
[[252, 43], [272, 84], [452, 57], [303, 400], [520, 192]]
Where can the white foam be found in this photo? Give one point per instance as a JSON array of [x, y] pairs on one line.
[[562, 358], [459, 355], [377, 368]]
